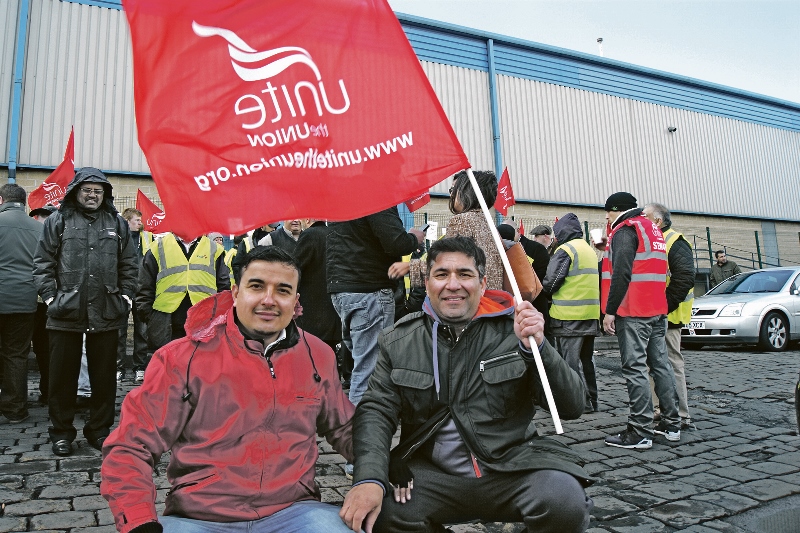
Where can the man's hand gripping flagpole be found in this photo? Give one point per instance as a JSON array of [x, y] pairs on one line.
[[518, 299]]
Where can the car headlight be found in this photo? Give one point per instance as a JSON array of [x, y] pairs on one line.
[[732, 310]]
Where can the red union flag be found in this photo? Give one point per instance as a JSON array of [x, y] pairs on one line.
[[153, 217], [251, 111], [52, 190], [505, 194], [418, 201]]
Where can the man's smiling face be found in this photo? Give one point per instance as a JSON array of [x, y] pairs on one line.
[[265, 298], [455, 287]]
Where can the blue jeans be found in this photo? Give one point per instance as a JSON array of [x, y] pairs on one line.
[[364, 315], [300, 517]]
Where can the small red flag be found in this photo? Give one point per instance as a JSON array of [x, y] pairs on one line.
[[52, 190], [315, 109], [419, 201], [153, 217], [505, 194], [521, 228]]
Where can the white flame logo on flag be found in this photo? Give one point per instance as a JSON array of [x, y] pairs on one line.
[[156, 219], [241, 52]]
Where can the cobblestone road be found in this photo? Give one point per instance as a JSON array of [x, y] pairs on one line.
[[732, 474]]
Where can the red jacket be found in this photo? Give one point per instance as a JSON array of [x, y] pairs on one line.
[[645, 296], [243, 444]]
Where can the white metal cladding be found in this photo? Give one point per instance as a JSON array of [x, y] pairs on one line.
[[9, 18], [565, 145], [79, 71], [464, 94]]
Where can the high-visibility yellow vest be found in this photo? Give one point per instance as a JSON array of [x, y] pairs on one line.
[[230, 254], [578, 298], [147, 241], [178, 276], [683, 314]]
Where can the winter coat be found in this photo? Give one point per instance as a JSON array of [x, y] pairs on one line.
[[19, 235], [360, 252], [86, 262], [487, 379], [319, 317], [682, 273], [243, 444]]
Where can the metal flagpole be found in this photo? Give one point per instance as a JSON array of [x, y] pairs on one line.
[[518, 299]]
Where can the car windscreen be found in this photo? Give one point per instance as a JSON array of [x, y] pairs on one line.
[[763, 281]]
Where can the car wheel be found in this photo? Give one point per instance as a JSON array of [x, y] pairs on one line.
[[774, 335]]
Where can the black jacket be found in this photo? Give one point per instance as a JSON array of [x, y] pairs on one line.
[[19, 235], [86, 261], [626, 242], [360, 252], [567, 228], [319, 317], [682, 273]]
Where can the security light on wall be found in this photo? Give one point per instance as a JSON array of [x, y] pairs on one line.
[[672, 129]]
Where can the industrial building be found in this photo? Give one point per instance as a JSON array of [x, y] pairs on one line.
[[571, 128]]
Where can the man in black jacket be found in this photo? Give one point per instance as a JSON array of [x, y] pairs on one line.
[[359, 254], [85, 270], [680, 296], [18, 237]]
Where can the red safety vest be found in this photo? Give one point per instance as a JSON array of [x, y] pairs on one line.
[[645, 296]]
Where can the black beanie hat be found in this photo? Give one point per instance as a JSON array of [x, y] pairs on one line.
[[620, 201]]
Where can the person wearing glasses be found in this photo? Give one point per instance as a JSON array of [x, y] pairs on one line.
[[85, 270]]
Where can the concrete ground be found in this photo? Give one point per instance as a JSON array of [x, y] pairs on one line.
[[738, 471]]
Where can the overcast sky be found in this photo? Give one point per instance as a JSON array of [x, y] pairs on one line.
[[752, 45]]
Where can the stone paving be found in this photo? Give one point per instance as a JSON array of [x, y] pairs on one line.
[[742, 458]]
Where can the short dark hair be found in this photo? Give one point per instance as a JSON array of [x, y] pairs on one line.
[[487, 183], [459, 244], [270, 254], [718, 253], [11, 192]]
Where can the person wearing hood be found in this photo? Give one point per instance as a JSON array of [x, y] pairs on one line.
[[85, 270], [633, 298], [573, 282], [238, 404], [460, 377]]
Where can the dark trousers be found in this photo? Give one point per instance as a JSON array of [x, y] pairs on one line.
[[578, 352], [41, 347], [545, 500], [65, 365], [16, 330], [139, 359]]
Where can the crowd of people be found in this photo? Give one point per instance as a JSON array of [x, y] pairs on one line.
[[347, 330]]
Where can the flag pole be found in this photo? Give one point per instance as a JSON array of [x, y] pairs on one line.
[[518, 299]]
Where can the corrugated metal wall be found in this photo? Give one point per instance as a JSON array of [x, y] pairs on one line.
[[9, 15], [464, 94], [79, 71], [576, 147]]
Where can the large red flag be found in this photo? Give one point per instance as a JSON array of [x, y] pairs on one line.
[[505, 194], [418, 201], [52, 190], [251, 111], [153, 217]]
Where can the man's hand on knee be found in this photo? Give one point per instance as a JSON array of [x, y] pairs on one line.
[[362, 506]]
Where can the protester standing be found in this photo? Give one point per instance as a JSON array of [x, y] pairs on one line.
[[41, 344], [85, 269], [573, 282], [19, 235], [286, 236], [723, 268], [633, 299]]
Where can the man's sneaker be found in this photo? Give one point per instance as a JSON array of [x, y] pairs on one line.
[[629, 439], [17, 419], [139, 376], [120, 375], [686, 424], [672, 433], [348, 470]]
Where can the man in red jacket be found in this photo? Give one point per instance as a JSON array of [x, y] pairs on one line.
[[632, 297], [239, 403]]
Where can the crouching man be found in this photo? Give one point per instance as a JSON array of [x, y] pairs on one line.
[[239, 403], [461, 378]]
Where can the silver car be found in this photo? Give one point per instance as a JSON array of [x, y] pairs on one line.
[[759, 307]]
